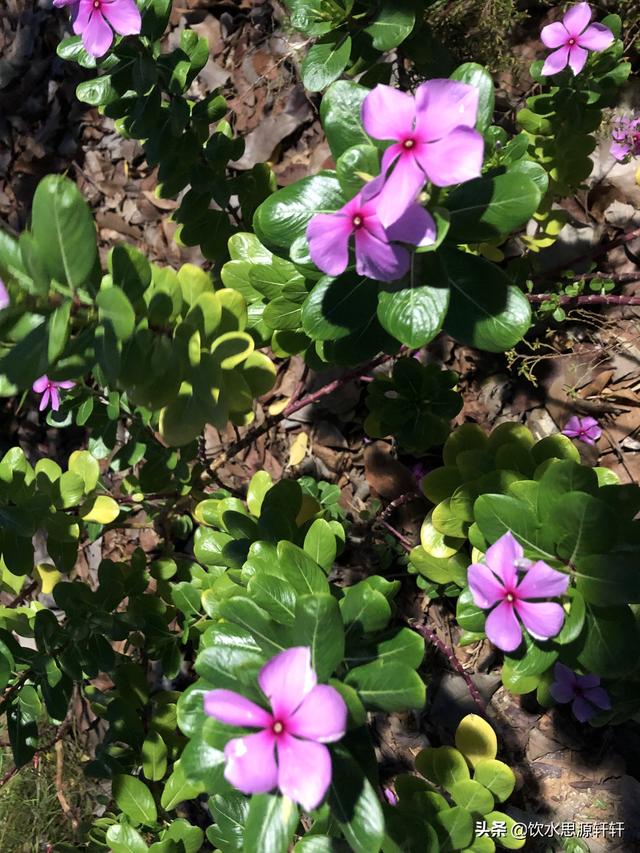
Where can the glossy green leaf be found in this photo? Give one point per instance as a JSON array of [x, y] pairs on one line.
[[271, 822], [135, 800], [386, 686], [355, 804], [325, 61]]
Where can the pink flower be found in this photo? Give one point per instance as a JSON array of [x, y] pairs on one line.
[[585, 429], [497, 586], [583, 691], [434, 139], [95, 20], [4, 296], [573, 38], [626, 138], [49, 390], [304, 716], [376, 256]]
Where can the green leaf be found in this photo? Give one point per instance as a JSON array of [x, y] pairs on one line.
[[443, 765], [135, 800], [325, 62], [387, 686], [477, 76], [270, 636], [496, 776], [392, 24], [284, 216], [473, 796], [58, 331], [177, 789], [609, 633], [154, 757], [355, 804], [456, 825], [320, 543], [123, 838], [497, 514], [115, 308], [339, 307], [491, 207], [230, 812], [364, 609], [191, 837], [609, 579], [298, 569], [340, 115], [274, 595], [318, 624], [585, 525], [63, 231], [271, 822], [413, 309], [512, 841], [486, 311]]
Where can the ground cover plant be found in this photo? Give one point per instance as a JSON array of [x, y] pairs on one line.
[[319, 510]]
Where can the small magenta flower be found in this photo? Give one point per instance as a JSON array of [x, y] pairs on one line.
[[4, 296], [498, 587], [573, 38], [583, 691], [50, 391], [390, 796], [95, 20], [304, 716], [434, 139], [626, 138], [584, 429], [377, 256]]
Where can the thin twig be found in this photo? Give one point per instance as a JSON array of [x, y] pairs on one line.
[[430, 635], [591, 299], [401, 539]]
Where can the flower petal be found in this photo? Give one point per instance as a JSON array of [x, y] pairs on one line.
[[41, 384], [573, 427], [454, 159], [44, 402], [443, 105], [123, 15], [286, 679], [599, 697], [620, 150], [388, 113], [378, 259], [55, 398], [502, 556], [251, 763], [541, 581], [485, 587], [542, 619], [562, 693], [577, 58], [577, 18], [503, 629], [322, 716], [328, 237], [304, 771], [66, 384], [401, 187], [415, 226], [554, 35], [596, 37], [97, 36], [556, 62], [586, 682], [582, 710], [235, 710]]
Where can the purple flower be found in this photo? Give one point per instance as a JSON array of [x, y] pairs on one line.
[[573, 38], [434, 139], [49, 390], [95, 20], [304, 716], [376, 256], [497, 586], [4, 296], [583, 691], [390, 796], [585, 429], [626, 138]]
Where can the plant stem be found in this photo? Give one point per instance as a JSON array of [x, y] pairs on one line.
[[593, 299]]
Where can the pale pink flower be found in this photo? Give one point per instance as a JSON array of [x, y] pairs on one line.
[[96, 20], [49, 389], [572, 39]]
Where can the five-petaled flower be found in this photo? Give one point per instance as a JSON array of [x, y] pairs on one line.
[[49, 389], [434, 139], [507, 584], [585, 429], [95, 20], [377, 256], [304, 716], [583, 691], [572, 38], [625, 134]]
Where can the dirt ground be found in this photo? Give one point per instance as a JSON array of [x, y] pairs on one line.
[[589, 364]]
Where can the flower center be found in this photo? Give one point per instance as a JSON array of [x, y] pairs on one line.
[[510, 597], [278, 728], [357, 221], [571, 42], [408, 144]]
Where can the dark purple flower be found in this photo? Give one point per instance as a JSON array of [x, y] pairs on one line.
[[626, 138], [572, 39], [584, 429], [583, 691], [496, 585]]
